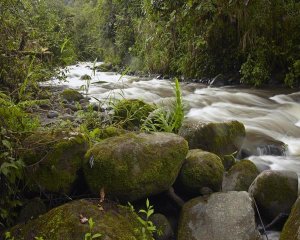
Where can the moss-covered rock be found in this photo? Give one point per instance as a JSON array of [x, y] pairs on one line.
[[163, 226], [275, 192], [32, 209], [219, 138], [240, 176], [85, 77], [133, 166], [226, 216], [201, 170], [105, 67], [228, 161], [71, 95], [291, 228], [131, 112], [107, 132], [52, 159], [114, 223]]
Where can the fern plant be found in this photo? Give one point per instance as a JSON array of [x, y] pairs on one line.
[[166, 119]]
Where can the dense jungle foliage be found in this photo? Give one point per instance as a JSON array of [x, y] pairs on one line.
[[195, 39]]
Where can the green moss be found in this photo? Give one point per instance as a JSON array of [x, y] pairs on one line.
[[85, 77], [219, 138], [275, 192], [132, 166], [292, 225], [247, 172], [115, 222], [201, 169], [228, 161], [186, 217], [53, 158], [130, 113], [71, 95]]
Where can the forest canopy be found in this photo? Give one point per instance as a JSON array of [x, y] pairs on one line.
[[258, 40]]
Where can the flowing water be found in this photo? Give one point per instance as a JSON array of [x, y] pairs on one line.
[[270, 118]]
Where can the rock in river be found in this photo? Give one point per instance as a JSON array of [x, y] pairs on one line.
[[201, 170], [226, 216], [275, 192], [220, 138], [133, 166]]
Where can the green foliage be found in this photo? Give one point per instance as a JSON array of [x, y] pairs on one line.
[[166, 119], [147, 225], [292, 79], [14, 125], [89, 235]]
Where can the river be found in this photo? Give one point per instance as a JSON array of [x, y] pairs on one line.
[[269, 117]]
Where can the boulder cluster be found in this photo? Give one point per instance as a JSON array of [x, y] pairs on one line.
[[216, 196]]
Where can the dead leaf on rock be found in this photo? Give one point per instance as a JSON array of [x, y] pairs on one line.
[[83, 219]]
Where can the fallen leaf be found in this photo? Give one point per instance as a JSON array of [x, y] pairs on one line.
[[83, 219]]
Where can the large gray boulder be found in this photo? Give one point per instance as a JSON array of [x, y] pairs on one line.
[[114, 222], [220, 138], [226, 216], [133, 166], [240, 176], [291, 229], [201, 170], [275, 192]]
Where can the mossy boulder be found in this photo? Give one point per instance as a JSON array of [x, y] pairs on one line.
[[133, 166], [163, 226], [130, 113], [228, 161], [85, 77], [275, 192], [201, 170], [226, 216], [52, 159], [220, 138], [240, 176], [291, 228], [105, 67], [107, 132], [71, 95], [114, 223], [32, 209]]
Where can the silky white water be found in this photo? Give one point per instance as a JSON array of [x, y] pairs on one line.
[[263, 112]]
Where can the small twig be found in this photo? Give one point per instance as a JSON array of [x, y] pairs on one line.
[[261, 221]]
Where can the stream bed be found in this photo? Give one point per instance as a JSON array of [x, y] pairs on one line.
[[271, 118]]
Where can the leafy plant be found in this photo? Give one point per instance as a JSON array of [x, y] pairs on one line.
[[147, 224], [166, 119], [89, 235]]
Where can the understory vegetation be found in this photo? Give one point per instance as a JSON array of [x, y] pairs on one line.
[[256, 42]]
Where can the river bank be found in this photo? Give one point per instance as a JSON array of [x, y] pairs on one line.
[[268, 128]]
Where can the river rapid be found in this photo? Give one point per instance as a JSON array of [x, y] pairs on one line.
[[269, 116]]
